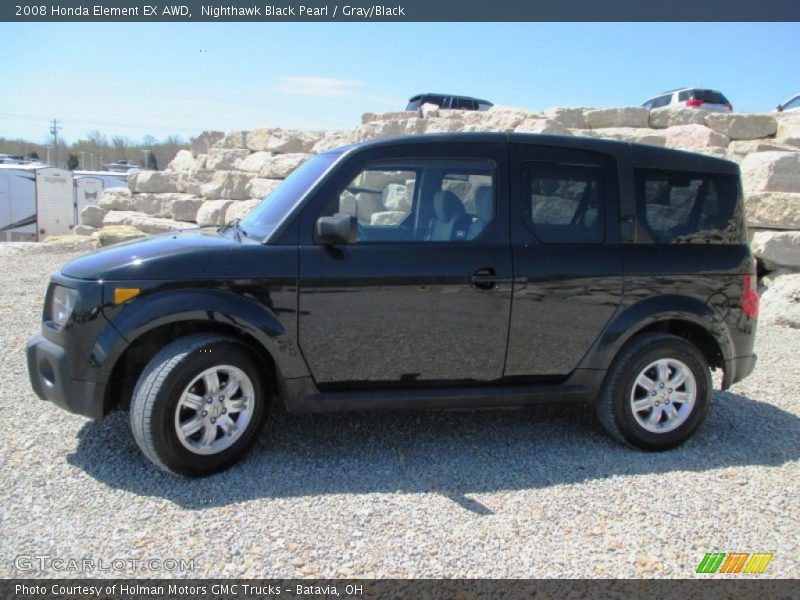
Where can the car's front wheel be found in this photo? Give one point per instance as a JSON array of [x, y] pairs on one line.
[[656, 393], [199, 404]]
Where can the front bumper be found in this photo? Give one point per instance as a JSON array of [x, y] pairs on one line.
[[48, 368]]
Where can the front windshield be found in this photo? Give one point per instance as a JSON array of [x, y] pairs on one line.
[[264, 218]]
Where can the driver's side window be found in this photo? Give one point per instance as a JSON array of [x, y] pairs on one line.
[[379, 197], [420, 201]]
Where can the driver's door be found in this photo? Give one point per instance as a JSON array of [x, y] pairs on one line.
[[423, 298]]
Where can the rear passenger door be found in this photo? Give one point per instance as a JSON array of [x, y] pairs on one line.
[[567, 259]]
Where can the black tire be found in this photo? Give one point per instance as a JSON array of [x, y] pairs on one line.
[[614, 407], [161, 386]]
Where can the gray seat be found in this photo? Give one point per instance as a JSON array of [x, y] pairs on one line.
[[484, 207], [450, 221]]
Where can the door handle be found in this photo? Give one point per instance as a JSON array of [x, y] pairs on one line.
[[486, 279]]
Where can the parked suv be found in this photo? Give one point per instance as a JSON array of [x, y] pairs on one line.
[[448, 101], [441, 271], [691, 98], [790, 105]]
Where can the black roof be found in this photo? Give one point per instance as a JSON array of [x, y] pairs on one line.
[[459, 96], [641, 155]]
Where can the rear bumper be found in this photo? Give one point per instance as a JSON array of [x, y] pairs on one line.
[[737, 369], [48, 369]]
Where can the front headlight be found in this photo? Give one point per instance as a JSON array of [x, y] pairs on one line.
[[63, 304]]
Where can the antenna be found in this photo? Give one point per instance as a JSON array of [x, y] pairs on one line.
[[54, 129]]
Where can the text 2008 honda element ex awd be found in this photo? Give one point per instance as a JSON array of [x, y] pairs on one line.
[[439, 271]]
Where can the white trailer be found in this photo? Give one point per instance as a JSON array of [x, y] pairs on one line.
[[17, 203], [55, 202], [89, 186]]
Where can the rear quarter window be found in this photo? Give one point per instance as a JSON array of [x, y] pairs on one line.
[[690, 208]]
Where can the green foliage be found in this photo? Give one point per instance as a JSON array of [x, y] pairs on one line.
[[152, 162], [72, 162], [99, 148]]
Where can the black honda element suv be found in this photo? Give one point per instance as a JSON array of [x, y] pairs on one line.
[[437, 271]]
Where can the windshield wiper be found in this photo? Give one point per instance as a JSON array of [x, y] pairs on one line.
[[234, 223]]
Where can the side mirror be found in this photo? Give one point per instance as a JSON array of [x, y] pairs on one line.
[[779, 108], [341, 228]]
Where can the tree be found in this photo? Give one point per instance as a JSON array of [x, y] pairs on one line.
[[152, 163], [72, 162], [34, 155]]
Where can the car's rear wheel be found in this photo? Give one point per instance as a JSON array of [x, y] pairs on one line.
[[199, 405], [656, 393]]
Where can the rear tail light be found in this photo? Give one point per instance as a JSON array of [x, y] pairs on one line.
[[729, 105], [750, 295], [695, 102]]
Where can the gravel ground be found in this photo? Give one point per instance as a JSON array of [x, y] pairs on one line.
[[540, 492]]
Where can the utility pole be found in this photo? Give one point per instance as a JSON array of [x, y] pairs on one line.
[[54, 132]]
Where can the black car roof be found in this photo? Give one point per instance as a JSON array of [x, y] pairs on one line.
[[460, 97], [642, 155]]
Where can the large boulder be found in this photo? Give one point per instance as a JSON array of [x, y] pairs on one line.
[[212, 213], [387, 116], [777, 249], [772, 172], [152, 225], [185, 208], [774, 210], [203, 142], [544, 126], [633, 116], [232, 139], [505, 118], [789, 128], [695, 138], [152, 181], [119, 217], [571, 118], [240, 209], [230, 185], [225, 158], [253, 163], [115, 234], [82, 230], [742, 126], [261, 188], [281, 141], [281, 166], [116, 198], [739, 149], [638, 135], [780, 303], [185, 161], [92, 216], [335, 139], [157, 205], [379, 129], [661, 118]]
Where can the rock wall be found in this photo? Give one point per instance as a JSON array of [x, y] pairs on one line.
[[224, 175]]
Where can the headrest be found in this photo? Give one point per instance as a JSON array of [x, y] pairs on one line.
[[446, 205], [483, 203]]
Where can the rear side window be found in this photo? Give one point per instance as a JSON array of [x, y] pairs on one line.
[[690, 208], [709, 96], [567, 202]]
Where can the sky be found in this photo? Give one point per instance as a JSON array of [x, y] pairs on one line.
[[161, 79]]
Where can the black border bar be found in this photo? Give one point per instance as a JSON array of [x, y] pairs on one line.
[[402, 10], [712, 587]]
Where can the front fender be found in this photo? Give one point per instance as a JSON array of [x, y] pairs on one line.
[[634, 318], [265, 315]]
